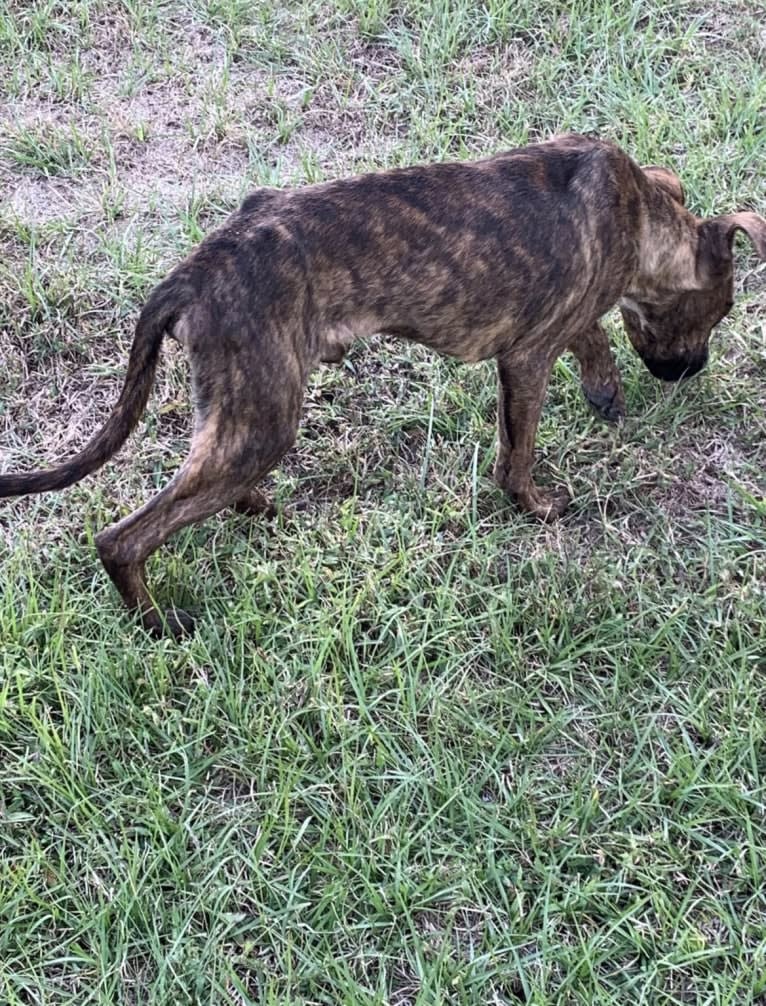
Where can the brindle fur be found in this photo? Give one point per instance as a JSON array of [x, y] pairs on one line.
[[513, 258]]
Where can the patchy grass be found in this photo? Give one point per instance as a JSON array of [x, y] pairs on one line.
[[421, 749], [48, 152]]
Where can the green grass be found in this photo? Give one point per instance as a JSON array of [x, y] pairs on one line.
[[48, 151], [421, 750]]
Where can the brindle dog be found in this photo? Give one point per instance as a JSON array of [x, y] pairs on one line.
[[514, 258]]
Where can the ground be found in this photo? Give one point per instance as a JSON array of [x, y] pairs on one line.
[[422, 749]]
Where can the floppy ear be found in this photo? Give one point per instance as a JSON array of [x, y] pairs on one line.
[[752, 225], [667, 180], [715, 249]]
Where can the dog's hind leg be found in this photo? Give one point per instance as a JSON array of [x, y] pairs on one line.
[[520, 392], [599, 376], [230, 452]]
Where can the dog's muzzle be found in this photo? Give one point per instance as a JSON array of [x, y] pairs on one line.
[[676, 368]]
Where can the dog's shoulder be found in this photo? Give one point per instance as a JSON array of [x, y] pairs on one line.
[[555, 164], [262, 201]]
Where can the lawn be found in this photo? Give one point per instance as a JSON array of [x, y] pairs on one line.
[[422, 749]]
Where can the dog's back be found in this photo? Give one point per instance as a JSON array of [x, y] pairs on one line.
[[456, 255]]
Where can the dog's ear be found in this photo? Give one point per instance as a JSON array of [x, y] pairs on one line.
[[727, 226], [715, 249], [667, 180]]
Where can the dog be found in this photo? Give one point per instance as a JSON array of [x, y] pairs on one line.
[[513, 258]]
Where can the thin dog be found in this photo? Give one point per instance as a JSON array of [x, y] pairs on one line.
[[513, 258]]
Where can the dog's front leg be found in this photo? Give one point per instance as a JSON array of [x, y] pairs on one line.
[[521, 388], [599, 376]]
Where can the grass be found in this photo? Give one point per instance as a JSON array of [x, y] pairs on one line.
[[421, 750]]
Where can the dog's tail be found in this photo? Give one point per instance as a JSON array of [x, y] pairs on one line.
[[163, 306]]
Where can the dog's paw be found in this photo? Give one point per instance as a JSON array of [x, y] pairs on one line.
[[256, 504], [179, 623], [607, 401], [174, 622], [545, 506]]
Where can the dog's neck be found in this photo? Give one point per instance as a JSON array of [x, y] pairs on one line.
[[667, 249]]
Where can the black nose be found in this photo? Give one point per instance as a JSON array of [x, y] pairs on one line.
[[677, 367]]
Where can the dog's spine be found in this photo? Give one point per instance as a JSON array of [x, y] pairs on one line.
[[158, 314]]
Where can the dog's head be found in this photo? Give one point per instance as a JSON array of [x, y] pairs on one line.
[[691, 286]]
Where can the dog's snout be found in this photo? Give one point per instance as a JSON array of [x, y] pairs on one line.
[[676, 368]]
